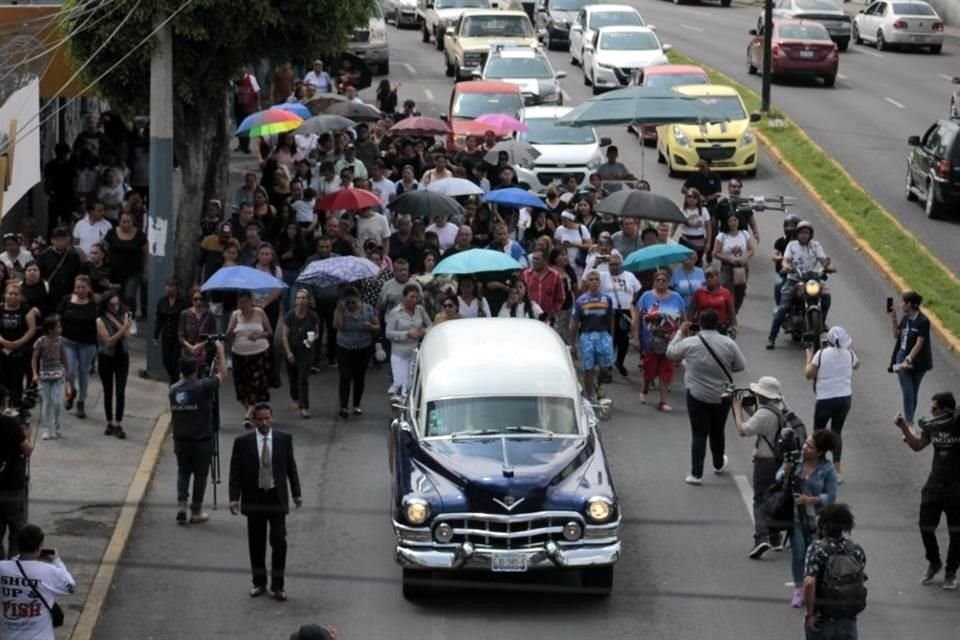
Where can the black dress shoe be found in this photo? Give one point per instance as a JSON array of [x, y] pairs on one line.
[[622, 370]]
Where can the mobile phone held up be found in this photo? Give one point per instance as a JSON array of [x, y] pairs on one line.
[[889, 305]]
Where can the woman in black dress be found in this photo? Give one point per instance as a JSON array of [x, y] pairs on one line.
[[17, 327], [34, 291], [128, 257], [78, 316], [113, 359]]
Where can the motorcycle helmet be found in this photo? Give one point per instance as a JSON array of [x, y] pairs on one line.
[[791, 220], [803, 224]]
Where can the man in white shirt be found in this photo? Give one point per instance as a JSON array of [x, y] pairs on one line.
[[31, 582], [373, 226], [385, 189], [327, 181], [91, 229], [572, 236], [446, 232], [622, 286], [14, 257], [318, 78]]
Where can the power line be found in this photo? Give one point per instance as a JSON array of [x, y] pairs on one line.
[[116, 64], [49, 19]]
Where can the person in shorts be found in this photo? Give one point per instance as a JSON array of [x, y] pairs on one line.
[[591, 331]]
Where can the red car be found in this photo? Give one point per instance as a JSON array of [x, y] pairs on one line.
[[665, 76], [800, 47]]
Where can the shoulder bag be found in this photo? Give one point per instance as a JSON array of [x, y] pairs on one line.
[[56, 613], [713, 353]]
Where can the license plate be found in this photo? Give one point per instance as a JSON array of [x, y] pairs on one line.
[[919, 38], [509, 562], [806, 54]]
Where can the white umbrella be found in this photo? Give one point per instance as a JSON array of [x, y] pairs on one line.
[[454, 187]]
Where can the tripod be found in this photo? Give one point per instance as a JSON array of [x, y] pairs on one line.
[[215, 476]]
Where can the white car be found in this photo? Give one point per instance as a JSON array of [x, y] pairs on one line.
[[596, 16], [400, 12], [528, 67], [616, 54], [563, 150], [911, 23]]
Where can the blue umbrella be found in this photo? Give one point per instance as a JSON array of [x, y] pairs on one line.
[[296, 108], [514, 197], [242, 279], [476, 261], [654, 256], [337, 270]]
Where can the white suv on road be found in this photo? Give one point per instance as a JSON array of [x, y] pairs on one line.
[[563, 150]]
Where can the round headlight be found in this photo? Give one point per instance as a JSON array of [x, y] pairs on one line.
[[572, 531], [812, 288], [599, 509], [417, 511], [443, 533]]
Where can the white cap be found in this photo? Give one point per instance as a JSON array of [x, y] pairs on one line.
[[568, 215]]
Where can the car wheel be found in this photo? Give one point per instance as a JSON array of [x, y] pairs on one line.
[[448, 68], [829, 81], [661, 159], [385, 67], [586, 80], [597, 580], [416, 583], [881, 42], [438, 36], [908, 185], [573, 61], [548, 45], [856, 34], [933, 208], [725, 3], [751, 70], [954, 107], [936, 48], [457, 77], [843, 45], [424, 34]]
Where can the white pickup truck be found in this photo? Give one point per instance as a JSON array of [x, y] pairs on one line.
[[435, 16]]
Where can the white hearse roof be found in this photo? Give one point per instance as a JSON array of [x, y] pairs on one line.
[[495, 357]]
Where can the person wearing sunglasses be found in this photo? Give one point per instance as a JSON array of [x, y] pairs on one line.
[[449, 309]]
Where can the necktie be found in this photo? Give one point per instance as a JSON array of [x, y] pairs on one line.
[[266, 468]]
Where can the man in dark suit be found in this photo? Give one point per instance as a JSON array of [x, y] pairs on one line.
[[261, 464]]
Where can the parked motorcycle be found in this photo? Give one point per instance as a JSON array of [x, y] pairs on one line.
[[806, 318]]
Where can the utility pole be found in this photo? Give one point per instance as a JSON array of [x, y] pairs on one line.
[[767, 46], [161, 208]]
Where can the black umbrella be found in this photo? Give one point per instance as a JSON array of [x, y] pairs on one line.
[[426, 204], [641, 204]]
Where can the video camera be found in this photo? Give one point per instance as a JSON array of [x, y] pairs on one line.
[[747, 398], [791, 449], [946, 422]]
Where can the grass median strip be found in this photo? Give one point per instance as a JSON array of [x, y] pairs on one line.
[[870, 222]]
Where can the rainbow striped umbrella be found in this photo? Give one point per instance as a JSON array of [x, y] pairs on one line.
[[268, 122]]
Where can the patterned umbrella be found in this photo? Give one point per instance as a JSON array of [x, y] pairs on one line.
[[502, 122], [420, 126], [295, 108], [337, 270], [348, 199], [268, 122]]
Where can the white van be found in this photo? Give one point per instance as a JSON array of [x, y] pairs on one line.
[[370, 44]]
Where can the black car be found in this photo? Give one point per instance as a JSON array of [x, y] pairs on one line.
[[553, 20], [933, 168]]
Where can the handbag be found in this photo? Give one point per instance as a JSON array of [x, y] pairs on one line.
[[739, 275], [778, 505], [56, 613]]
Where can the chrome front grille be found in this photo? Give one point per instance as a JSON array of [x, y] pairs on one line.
[[508, 532], [548, 177], [360, 35]]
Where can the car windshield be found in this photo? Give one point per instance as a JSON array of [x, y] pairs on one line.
[[723, 108], [462, 4], [817, 5], [667, 80], [497, 27], [913, 9], [615, 19], [569, 5], [546, 131], [629, 41], [518, 68], [803, 32], [519, 415], [472, 105]]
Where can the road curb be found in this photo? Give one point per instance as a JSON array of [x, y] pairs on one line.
[[103, 579], [953, 342]]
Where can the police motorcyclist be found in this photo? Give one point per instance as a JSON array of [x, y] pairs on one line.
[[802, 254], [191, 409], [790, 222]]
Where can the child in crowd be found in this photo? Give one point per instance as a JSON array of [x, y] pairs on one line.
[[49, 370]]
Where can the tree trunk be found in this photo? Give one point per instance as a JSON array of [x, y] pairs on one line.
[[202, 147]]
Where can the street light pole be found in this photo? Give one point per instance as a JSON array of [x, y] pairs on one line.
[[160, 213], [767, 46]]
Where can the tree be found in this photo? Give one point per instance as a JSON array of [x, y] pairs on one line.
[[212, 41]]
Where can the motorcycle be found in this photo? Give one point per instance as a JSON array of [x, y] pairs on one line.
[[806, 318], [955, 101]]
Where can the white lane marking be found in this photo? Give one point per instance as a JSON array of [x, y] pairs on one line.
[[945, 77], [898, 105], [428, 94], [692, 28], [409, 67], [746, 492], [841, 76], [697, 13], [870, 53]]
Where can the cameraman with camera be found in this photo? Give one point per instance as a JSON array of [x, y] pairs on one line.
[[941, 493], [15, 448], [764, 404], [194, 429]]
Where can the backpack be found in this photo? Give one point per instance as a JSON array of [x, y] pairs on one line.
[[788, 419], [841, 592]]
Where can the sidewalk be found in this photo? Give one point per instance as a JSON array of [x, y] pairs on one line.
[[78, 484]]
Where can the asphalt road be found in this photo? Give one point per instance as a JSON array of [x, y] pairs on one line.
[[880, 99], [684, 573]]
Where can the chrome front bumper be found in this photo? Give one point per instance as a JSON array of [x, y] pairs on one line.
[[549, 556]]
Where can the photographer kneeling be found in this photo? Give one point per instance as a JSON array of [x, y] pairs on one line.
[[764, 407], [814, 484]]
